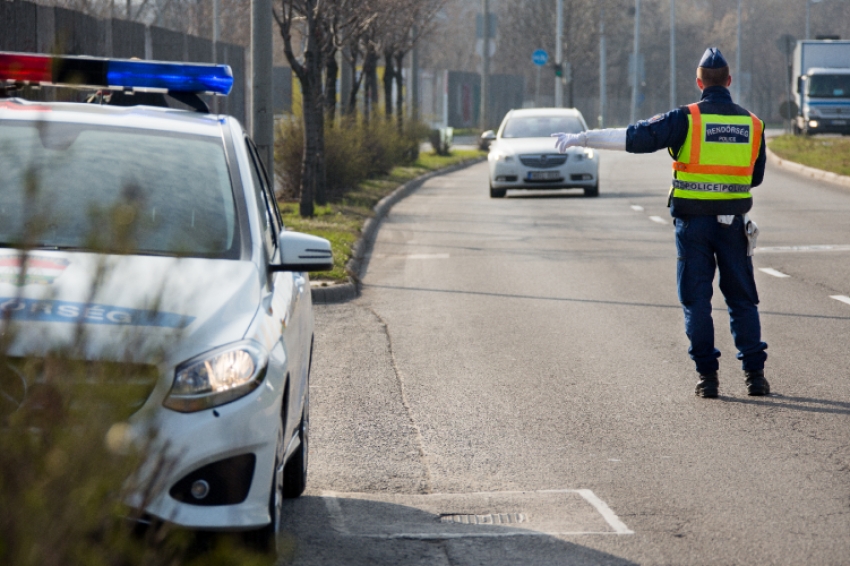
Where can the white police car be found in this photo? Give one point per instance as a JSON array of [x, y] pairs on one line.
[[153, 231], [523, 155]]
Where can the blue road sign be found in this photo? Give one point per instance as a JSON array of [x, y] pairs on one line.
[[540, 57]]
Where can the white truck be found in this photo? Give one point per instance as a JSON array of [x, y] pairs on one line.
[[821, 86]]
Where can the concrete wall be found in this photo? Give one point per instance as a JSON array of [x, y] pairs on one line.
[[32, 28]]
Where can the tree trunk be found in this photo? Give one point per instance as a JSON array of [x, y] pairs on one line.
[[389, 76], [313, 165], [399, 90], [313, 138], [309, 73], [370, 63], [355, 88], [349, 107], [331, 73]]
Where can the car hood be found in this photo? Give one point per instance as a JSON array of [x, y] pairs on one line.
[[519, 146], [123, 308]]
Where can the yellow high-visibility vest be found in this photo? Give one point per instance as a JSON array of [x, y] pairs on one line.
[[717, 159]]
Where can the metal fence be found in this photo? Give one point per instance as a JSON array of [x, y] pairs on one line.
[[34, 28]]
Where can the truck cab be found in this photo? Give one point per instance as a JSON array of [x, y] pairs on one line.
[[821, 87]]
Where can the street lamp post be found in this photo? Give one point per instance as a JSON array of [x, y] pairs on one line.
[[736, 82], [603, 102], [672, 53], [559, 54], [485, 64], [633, 115], [262, 114]]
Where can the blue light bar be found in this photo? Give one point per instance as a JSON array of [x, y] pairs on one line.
[[173, 77]]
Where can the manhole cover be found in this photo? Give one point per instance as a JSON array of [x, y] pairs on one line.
[[490, 519]]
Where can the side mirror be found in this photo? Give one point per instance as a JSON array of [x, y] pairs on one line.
[[486, 139], [303, 252]]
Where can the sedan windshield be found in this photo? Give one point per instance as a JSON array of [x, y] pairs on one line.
[[541, 126], [115, 190]]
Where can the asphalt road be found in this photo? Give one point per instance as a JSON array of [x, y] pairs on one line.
[[513, 387]]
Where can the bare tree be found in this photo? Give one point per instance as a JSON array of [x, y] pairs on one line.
[[312, 16], [407, 22]]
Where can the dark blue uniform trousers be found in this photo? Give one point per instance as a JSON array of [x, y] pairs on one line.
[[703, 245]]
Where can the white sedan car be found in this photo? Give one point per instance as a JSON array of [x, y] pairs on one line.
[[147, 239], [523, 155]]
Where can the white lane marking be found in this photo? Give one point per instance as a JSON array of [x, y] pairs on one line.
[[337, 518], [771, 271], [842, 298], [619, 527], [411, 256], [821, 248], [637, 207], [452, 536], [658, 219], [427, 256]]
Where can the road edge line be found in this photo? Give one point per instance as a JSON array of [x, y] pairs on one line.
[[361, 249]]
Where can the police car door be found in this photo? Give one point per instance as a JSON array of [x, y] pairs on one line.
[[286, 290]]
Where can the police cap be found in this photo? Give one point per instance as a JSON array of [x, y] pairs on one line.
[[713, 59]]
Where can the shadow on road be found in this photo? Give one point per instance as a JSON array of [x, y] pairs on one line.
[[560, 193], [375, 533], [796, 403], [589, 301]]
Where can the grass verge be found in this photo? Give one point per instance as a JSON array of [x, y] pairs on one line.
[[829, 154], [341, 222]]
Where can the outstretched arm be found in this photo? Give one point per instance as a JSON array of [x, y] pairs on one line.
[[661, 131], [610, 138]]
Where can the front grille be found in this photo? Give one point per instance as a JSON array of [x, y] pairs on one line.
[[74, 386], [543, 161]]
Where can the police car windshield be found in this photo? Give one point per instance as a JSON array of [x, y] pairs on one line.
[[541, 126], [829, 86], [115, 190]]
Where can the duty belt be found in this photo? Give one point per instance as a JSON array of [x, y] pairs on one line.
[[710, 187]]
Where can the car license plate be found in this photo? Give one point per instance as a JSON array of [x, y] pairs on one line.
[[839, 122], [543, 175]]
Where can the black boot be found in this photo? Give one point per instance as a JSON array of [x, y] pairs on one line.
[[707, 386], [757, 385]]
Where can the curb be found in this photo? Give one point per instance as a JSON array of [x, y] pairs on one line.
[[810, 172], [356, 266]]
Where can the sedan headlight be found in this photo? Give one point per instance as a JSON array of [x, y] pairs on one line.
[[500, 156], [217, 377]]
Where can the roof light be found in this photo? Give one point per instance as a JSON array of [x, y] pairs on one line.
[[19, 67], [216, 79], [115, 73]]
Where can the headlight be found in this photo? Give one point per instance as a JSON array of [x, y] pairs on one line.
[[589, 153], [217, 377], [500, 156]]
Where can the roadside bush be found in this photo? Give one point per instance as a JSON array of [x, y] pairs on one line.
[[65, 470], [288, 154], [354, 152]]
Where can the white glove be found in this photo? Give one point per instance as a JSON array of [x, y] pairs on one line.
[[567, 140], [752, 231]]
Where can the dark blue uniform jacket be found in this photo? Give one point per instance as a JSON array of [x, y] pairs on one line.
[[670, 130]]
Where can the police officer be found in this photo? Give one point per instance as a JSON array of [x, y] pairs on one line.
[[718, 152]]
